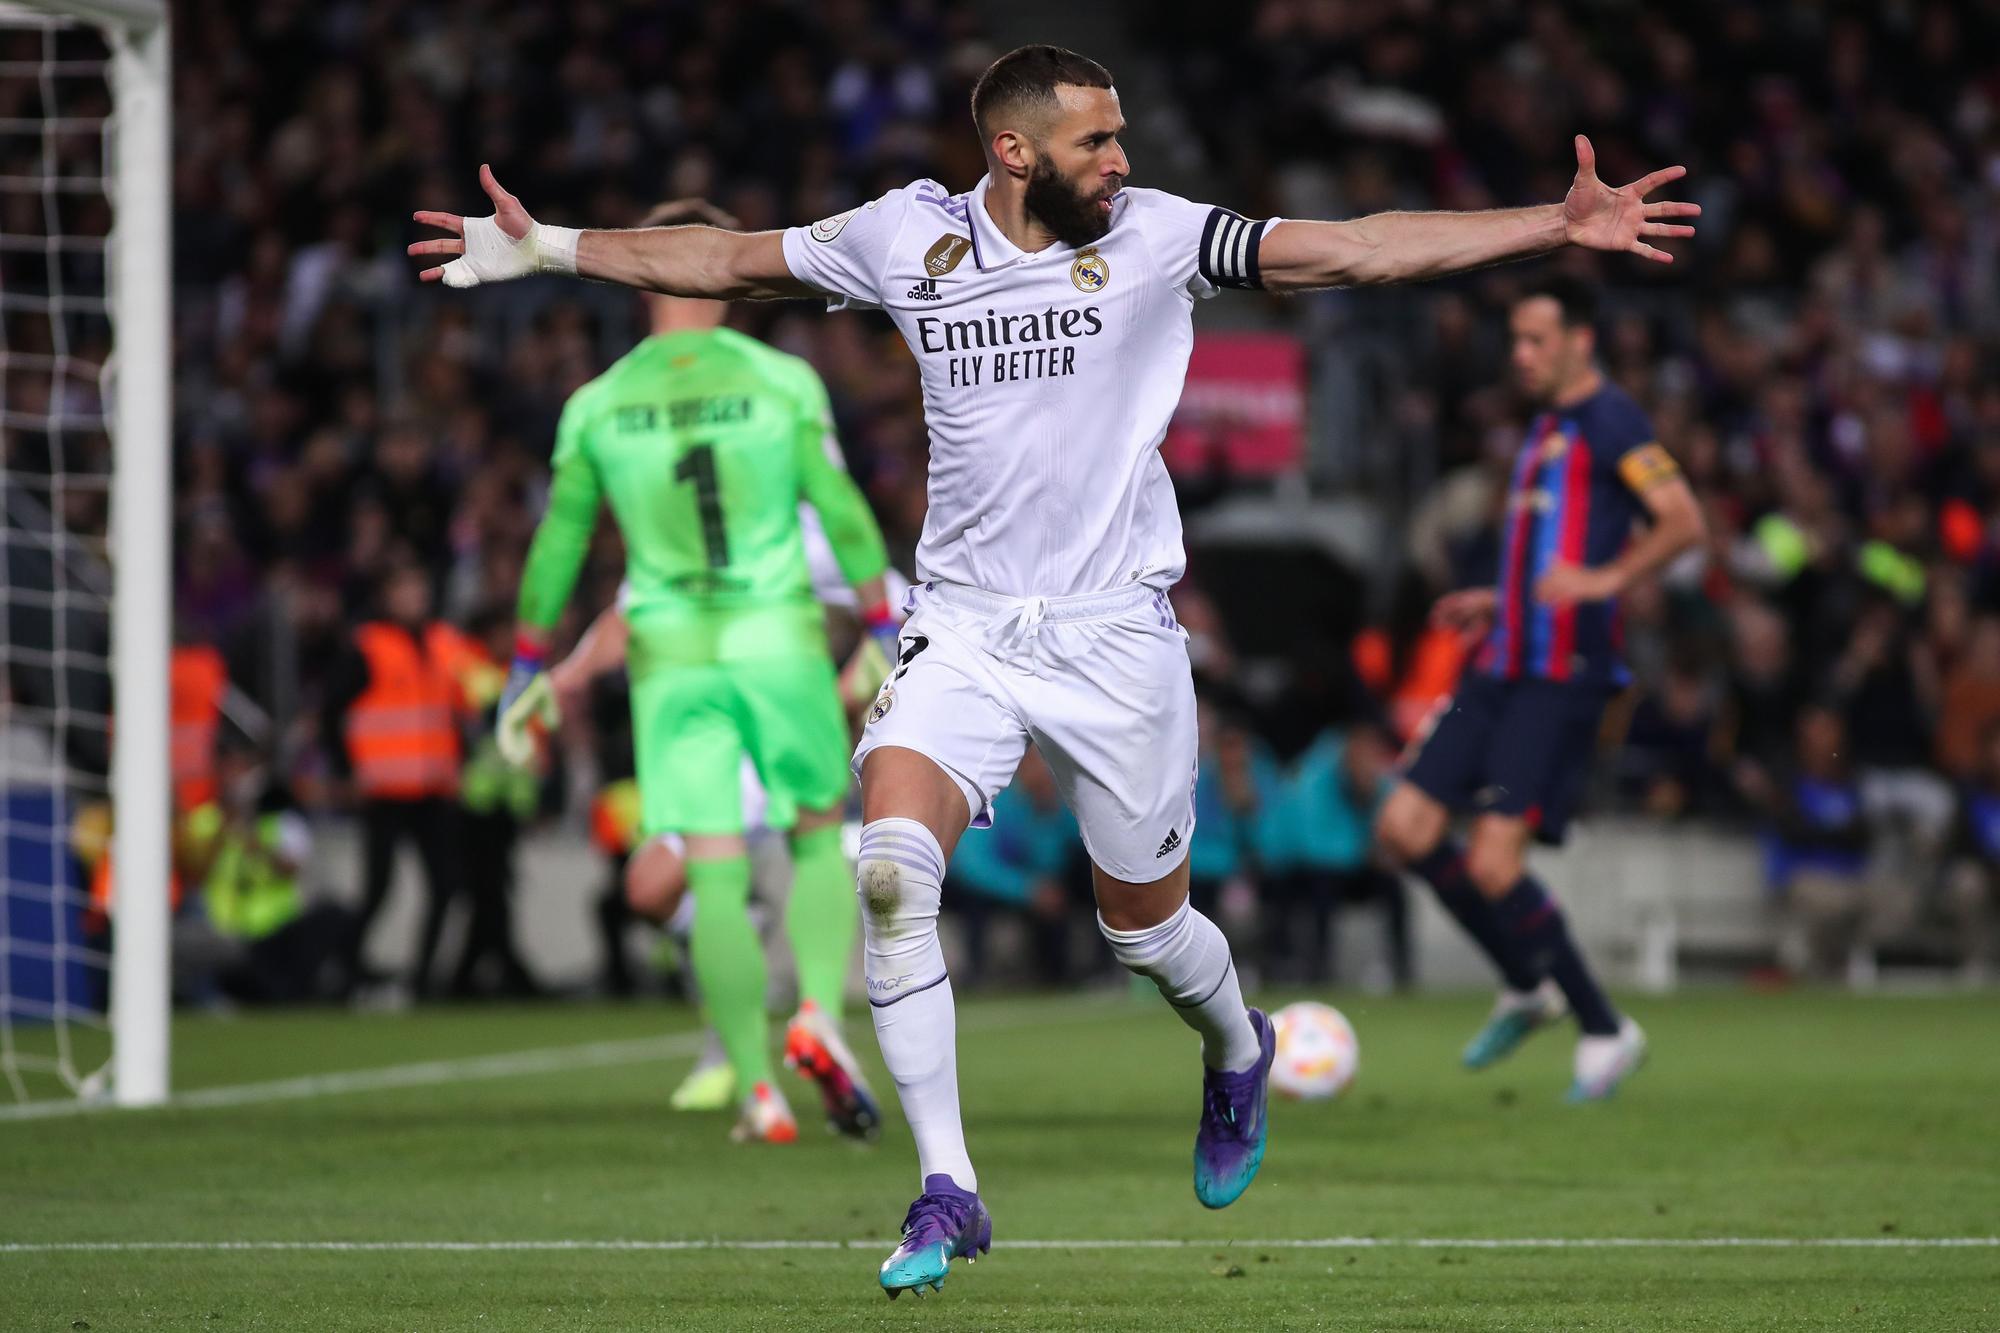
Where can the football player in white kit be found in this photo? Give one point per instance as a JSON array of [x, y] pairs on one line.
[[1050, 312]]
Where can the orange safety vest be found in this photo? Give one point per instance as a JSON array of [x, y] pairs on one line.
[[402, 733], [475, 678], [197, 684]]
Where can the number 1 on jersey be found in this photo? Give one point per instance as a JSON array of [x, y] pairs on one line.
[[698, 466]]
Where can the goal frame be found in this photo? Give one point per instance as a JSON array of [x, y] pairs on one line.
[[139, 294]]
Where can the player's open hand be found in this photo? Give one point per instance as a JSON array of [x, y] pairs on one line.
[[1598, 217], [504, 246]]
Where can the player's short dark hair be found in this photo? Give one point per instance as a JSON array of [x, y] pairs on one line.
[[1576, 298], [1027, 77]]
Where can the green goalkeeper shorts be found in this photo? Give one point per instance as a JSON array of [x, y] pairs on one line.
[[693, 724]]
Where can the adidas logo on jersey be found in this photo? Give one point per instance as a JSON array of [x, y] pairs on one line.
[[1173, 840], [924, 291]]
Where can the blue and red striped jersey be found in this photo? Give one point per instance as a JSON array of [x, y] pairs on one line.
[[1573, 499]]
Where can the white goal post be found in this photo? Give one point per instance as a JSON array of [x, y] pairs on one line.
[[138, 408]]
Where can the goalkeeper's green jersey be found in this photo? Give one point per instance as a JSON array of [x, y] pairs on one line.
[[704, 443]]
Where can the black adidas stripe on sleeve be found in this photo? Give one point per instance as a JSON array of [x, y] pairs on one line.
[[1229, 244]]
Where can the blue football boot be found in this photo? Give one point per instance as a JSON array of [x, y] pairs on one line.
[[1516, 1016], [944, 1223], [1229, 1146]]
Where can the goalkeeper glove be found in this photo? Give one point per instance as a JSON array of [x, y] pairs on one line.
[[861, 679], [527, 702], [872, 662]]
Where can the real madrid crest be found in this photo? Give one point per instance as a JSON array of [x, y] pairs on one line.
[[1089, 271], [883, 703]]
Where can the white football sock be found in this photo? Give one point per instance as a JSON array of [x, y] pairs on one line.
[[1188, 959], [900, 872]]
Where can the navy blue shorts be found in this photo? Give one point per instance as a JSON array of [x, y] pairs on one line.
[[1511, 747]]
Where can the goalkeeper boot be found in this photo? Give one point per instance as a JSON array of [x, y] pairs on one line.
[[710, 1085], [766, 1118], [944, 1223], [1229, 1147], [1602, 1063], [813, 1046], [1516, 1016]]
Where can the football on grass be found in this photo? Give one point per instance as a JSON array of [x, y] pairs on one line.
[[1317, 1052]]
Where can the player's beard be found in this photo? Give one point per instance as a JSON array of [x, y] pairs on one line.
[[1073, 217]]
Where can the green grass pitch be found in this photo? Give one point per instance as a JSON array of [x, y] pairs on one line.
[[1796, 1116]]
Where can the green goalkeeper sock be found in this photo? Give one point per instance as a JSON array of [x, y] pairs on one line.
[[821, 918], [729, 965]]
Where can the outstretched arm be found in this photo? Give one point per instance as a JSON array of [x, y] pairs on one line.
[[679, 261], [1410, 247]]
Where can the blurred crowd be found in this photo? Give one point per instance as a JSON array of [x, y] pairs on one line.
[[340, 425], [335, 417], [1821, 361]]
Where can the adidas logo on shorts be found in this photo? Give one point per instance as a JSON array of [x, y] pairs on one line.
[[1173, 840], [924, 291]]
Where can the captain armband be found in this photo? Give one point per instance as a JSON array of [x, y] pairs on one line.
[[1228, 256], [1647, 466]]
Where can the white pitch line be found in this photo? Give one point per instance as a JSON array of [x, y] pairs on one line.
[[1149, 1243], [543, 1060], [426, 1073]]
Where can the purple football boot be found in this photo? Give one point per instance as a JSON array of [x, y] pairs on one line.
[[944, 1223], [1229, 1146]]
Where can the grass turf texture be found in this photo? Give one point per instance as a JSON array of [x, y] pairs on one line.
[[1801, 1115]]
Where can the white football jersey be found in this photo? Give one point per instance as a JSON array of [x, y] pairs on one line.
[[1049, 378]]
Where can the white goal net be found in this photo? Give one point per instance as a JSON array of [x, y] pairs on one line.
[[80, 549]]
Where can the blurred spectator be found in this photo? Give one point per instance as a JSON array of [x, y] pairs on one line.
[[1667, 762], [1764, 687], [1817, 850], [1876, 685], [498, 801], [196, 683], [1971, 703], [1238, 811], [247, 933], [1018, 870], [1331, 795], [396, 701], [1972, 884]]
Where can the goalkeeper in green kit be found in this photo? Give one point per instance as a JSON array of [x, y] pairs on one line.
[[705, 441]]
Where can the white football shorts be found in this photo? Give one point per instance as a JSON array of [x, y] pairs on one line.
[[1100, 683]]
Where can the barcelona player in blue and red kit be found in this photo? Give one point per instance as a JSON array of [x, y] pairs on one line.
[[1513, 746]]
